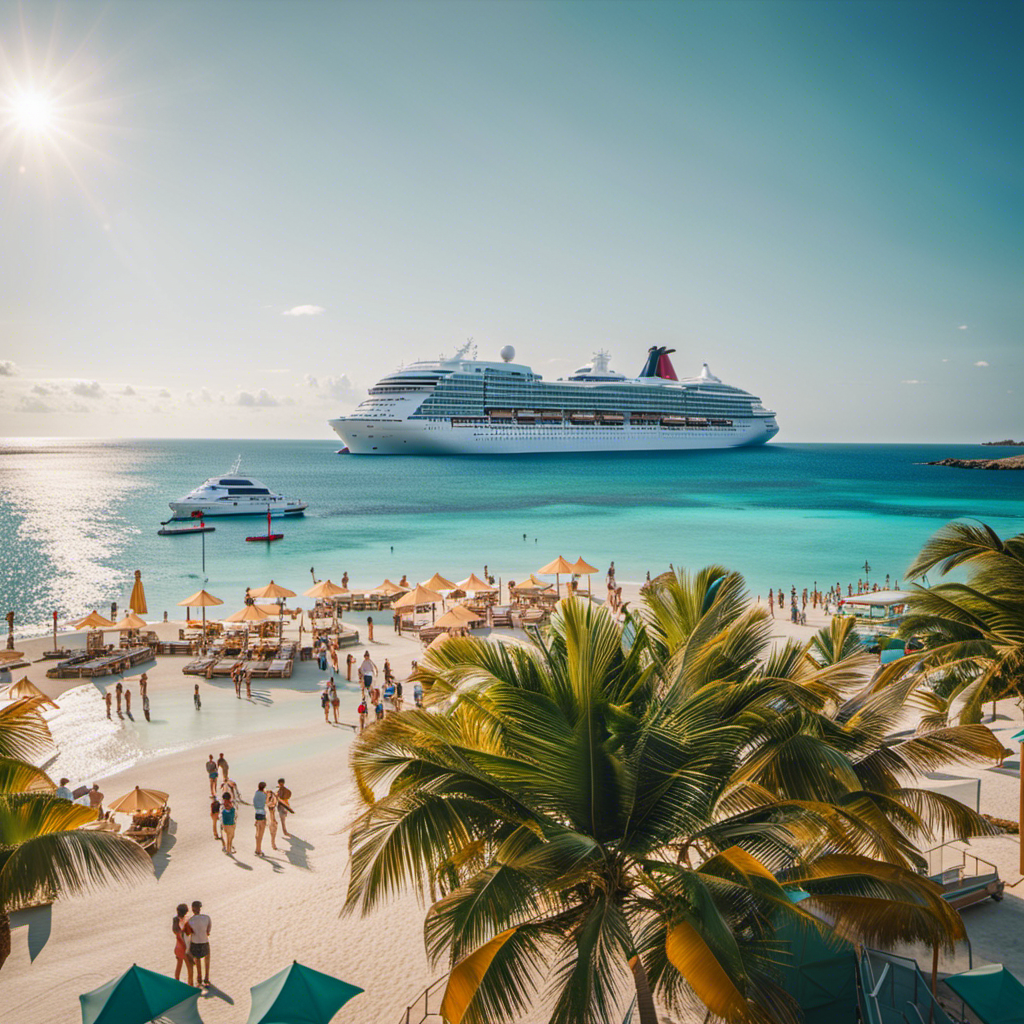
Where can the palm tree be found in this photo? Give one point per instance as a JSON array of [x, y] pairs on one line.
[[637, 806], [974, 631], [43, 850]]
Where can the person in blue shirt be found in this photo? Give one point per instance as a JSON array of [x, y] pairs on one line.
[[227, 824], [259, 806], [62, 790]]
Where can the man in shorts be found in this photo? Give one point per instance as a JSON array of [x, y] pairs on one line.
[[211, 771], [197, 928], [222, 763], [96, 800], [284, 807]]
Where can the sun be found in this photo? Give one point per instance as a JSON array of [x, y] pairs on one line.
[[33, 111]]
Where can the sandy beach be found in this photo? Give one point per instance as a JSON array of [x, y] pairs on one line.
[[286, 905]]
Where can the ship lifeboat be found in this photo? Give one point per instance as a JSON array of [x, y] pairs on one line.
[[673, 421]]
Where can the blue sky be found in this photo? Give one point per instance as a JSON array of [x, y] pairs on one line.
[[821, 200]]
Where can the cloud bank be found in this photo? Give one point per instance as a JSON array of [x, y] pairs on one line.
[[304, 311]]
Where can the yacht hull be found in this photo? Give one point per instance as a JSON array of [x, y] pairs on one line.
[[426, 437], [185, 510]]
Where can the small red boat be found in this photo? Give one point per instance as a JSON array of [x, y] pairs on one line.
[[268, 536]]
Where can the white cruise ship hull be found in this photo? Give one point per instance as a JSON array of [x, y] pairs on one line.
[[426, 437]]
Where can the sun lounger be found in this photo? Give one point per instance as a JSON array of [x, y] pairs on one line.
[[280, 668], [200, 666], [223, 667]]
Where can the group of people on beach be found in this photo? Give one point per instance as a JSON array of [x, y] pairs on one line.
[[270, 807], [121, 692], [828, 600]]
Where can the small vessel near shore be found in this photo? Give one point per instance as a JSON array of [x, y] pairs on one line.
[[172, 531], [234, 495], [465, 406]]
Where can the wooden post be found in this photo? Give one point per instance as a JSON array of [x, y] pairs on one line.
[[935, 980]]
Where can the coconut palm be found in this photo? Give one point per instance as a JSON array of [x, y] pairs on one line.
[[973, 631], [42, 848], [636, 807]]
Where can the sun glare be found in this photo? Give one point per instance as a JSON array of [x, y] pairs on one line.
[[33, 110]]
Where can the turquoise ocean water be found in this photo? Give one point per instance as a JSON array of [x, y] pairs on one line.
[[77, 517]]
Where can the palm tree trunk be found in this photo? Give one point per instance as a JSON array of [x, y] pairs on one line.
[[5, 937], [644, 999]]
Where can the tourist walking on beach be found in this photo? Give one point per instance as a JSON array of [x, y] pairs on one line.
[[118, 690], [196, 698], [335, 701], [325, 703], [180, 945], [143, 684], [284, 808], [198, 928], [417, 694], [227, 823], [222, 764], [259, 806], [215, 816], [369, 628], [96, 800], [272, 817], [362, 714], [334, 656], [145, 705], [367, 670], [248, 683], [398, 695], [236, 678], [128, 703], [107, 699], [211, 771], [349, 662]]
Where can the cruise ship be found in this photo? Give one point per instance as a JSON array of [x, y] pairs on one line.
[[466, 406]]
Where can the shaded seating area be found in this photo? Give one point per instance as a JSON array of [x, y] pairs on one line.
[[88, 666]]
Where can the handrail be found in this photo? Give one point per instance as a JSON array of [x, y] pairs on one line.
[[964, 854], [425, 997]]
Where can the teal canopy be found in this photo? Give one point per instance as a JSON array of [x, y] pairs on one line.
[[299, 995], [992, 992], [891, 654], [135, 998]]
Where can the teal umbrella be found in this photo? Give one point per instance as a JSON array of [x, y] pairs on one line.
[[135, 998], [299, 995]]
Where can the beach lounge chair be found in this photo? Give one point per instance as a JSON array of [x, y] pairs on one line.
[[280, 668]]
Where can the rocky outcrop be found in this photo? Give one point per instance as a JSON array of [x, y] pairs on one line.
[[1013, 462]]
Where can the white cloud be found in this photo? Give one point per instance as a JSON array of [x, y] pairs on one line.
[[204, 395], [30, 404], [913, 382], [962, 327], [304, 311], [981, 362], [128, 390], [340, 388], [164, 393], [945, 360], [38, 389], [262, 398], [309, 380], [86, 390], [7, 368]]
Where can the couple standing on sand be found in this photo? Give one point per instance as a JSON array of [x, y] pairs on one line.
[[269, 802], [192, 942]]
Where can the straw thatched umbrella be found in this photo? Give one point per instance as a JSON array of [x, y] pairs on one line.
[[474, 585], [137, 602], [557, 567], [129, 622], [464, 613], [25, 688], [325, 589], [249, 613], [273, 591], [200, 599], [438, 582], [389, 589], [93, 621], [581, 568], [450, 620], [139, 800], [418, 597]]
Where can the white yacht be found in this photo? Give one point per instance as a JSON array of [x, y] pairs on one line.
[[234, 495], [465, 406]]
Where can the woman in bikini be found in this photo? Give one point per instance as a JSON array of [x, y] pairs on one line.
[[180, 946], [272, 817]]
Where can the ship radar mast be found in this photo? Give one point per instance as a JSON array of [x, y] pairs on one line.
[[466, 351], [599, 361]]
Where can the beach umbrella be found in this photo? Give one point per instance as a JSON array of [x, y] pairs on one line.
[[474, 585], [136, 997], [557, 567], [130, 621], [438, 582], [389, 589], [581, 568], [200, 599], [273, 591], [420, 596], [299, 995], [324, 589], [249, 613], [11, 656], [93, 621], [466, 614], [137, 602], [438, 641], [26, 688], [451, 621], [139, 800]]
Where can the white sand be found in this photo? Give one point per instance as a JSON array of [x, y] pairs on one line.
[[267, 912]]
